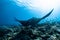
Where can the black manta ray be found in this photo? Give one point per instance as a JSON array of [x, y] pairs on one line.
[[33, 21]]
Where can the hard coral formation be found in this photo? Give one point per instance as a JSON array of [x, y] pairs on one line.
[[42, 32]]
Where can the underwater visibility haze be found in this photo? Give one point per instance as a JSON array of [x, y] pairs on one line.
[[26, 9], [29, 19]]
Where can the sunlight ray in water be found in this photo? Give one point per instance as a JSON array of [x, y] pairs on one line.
[[40, 7]]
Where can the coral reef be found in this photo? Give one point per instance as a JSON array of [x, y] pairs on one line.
[[45, 31]]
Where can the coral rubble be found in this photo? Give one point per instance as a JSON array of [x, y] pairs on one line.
[[46, 31]]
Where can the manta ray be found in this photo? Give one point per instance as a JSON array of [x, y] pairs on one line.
[[33, 21]]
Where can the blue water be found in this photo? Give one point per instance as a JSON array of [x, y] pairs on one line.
[[9, 10]]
